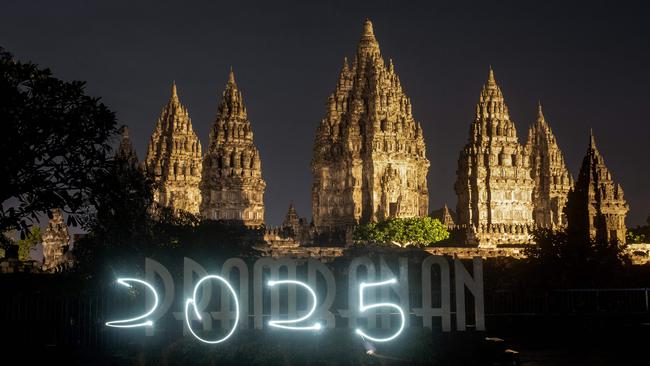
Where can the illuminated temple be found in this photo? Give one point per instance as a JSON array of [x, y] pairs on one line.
[[232, 186], [174, 159], [369, 164], [369, 161]]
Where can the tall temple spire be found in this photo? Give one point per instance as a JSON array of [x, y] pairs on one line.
[[232, 184], [125, 151], [553, 182], [174, 159], [369, 159], [493, 178], [596, 208]]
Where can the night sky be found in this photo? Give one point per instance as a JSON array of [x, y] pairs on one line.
[[588, 63]]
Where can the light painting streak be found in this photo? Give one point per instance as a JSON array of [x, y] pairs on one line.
[[123, 323], [281, 323], [363, 308], [192, 302]]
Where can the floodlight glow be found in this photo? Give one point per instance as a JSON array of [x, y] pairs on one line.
[[123, 323], [192, 302], [363, 308], [281, 323]]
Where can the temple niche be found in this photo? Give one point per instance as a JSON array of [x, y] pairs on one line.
[[494, 185], [174, 159], [369, 161], [232, 184]]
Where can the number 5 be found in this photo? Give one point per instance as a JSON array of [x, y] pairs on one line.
[[363, 308]]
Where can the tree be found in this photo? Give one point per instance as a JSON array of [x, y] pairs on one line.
[[567, 258], [54, 142], [25, 245], [402, 232]]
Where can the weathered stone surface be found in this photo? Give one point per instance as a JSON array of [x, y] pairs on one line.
[[552, 179], [369, 160], [232, 186], [494, 186], [174, 159], [596, 207], [56, 241]]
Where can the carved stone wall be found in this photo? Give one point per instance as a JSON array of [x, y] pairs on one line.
[[56, 241]]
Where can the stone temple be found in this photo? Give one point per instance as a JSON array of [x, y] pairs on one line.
[[174, 159], [596, 207], [369, 161], [232, 186], [494, 184], [552, 179], [56, 241]]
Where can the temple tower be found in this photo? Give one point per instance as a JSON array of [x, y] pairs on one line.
[[596, 207], [494, 186], [56, 241], [174, 159], [369, 160], [552, 179], [232, 184]]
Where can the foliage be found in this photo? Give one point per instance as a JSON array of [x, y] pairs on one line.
[[402, 232], [25, 245], [639, 234], [568, 259], [54, 143]]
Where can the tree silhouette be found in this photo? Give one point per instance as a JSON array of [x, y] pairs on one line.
[[54, 141]]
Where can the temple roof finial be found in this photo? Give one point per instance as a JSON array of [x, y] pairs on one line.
[[231, 76], [491, 79], [367, 28], [592, 139], [174, 92], [540, 114]]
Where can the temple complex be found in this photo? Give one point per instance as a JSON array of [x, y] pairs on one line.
[[494, 184], [369, 161], [232, 187], [552, 179], [596, 207], [174, 159]]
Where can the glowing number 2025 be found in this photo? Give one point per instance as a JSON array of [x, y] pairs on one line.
[[126, 322], [281, 323], [192, 302], [363, 308]]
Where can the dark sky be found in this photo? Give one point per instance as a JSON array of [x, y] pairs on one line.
[[588, 62]]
